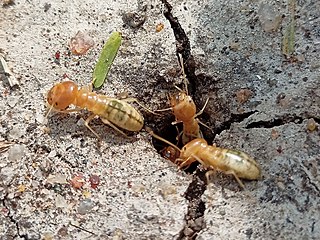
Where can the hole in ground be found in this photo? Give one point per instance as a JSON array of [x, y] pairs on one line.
[[170, 133]]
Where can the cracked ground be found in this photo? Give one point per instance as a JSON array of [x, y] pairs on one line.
[[263, 100]]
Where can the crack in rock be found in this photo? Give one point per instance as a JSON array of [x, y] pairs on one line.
[[182, 47], [14, 221], [235, 118], [279, 121], [196, 207]]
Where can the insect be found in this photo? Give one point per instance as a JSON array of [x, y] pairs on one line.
[[113, 112], [233, 162], [185, 112]]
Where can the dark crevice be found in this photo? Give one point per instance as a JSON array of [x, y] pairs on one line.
[[14, 221], [279, 121], [182, 47], [235, 118], [196, 207]]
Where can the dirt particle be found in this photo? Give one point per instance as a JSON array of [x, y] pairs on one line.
[[77, 181], [280, 97], [311, 125], [159, 27], [94, 181], [274, 134], [234, 46], [133, 19], [46, 7], [243, 95], [63, 232]]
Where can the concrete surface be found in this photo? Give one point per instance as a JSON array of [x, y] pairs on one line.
[[261, 102]]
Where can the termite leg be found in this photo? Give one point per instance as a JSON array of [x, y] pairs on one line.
[[200, 112], [52, 109], [49, 111], [176, 122], [140, 104], [68, 110], [106, 121], [165, 109], [186, 163], [178, 136], [209, 174], [236, 177], [185, 80], [161, 139], [205, 125], [87, 125]]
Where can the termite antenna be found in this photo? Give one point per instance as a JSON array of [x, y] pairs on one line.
[[185, 80], [161, 139], [178, 88], [49, 111]]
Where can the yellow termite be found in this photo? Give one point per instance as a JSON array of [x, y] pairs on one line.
[[185, 111], [236, 163], [113, 112]]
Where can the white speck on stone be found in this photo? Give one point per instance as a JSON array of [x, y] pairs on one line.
[[16, 152], [81, 122], [40, 118], [16, 133], [52, 154], [61, 202], [12, 101]]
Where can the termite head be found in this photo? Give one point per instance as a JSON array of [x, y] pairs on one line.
[[183, 106], [62, 95], [191, 150], [170, 153]]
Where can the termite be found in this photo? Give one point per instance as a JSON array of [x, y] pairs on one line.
[[113, 112], [236, 163], [185, 112]]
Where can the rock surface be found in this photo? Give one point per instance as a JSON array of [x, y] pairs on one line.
[[262, 98]]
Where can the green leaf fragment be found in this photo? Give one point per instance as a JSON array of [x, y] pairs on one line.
[[289, 39], [107, 55]]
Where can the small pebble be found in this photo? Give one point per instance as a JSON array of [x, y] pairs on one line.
[[311, 125], [81, 43], [269, 18], [52, 154], [85, 206], [16, 133], [12, 101], [94, 181]]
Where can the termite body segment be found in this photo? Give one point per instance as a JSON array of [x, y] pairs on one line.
[[184, 109], [112, 111]]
